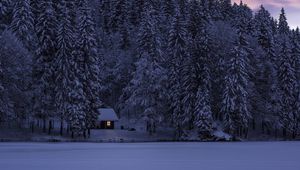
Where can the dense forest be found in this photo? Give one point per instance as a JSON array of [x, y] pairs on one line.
[[194, 65]]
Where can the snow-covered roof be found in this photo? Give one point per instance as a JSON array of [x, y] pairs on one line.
[[106, 114]]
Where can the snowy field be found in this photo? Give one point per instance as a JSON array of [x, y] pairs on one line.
[[150, 156]]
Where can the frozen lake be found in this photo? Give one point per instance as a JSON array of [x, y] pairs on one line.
[[151, 156]]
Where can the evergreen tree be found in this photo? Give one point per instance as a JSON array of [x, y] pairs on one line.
[[242, 17], [168, 7], [146, 89], [266, 81], [15, 79], [288, 86], [64, 71], [177, 53], [226, 9], [43, 62], [6, 105], [135, 12], [5, 13], [23, 24], [105, 14], [283, 27], [89, 63], [235, 104], [118, 14], [203, 113]]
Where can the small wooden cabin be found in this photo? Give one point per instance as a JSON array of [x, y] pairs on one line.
[[107, 118]]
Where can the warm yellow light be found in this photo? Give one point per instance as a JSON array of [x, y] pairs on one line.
[[108, 123]]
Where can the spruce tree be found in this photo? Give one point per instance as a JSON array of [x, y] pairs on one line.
[[89, 63], [5, 13], [65, 72], [43, 62], [23, 24], [288, 85], [177, 53], [266, 83], [283, 27], [235, 104], [203, 114], [146, 88]]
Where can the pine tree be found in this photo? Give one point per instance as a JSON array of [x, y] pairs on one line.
[[5, 102], [266, 84], [43, 62], [235, 104], [203, 113], [118, 14], [168, 7], [15, 79], [226, 9], [146, 88], [177, 53], [105, 14], [90, 63], [5, 13], [64, 65], [242, 17], [288, 86], [296, 51], [23, 24], [283, 27]]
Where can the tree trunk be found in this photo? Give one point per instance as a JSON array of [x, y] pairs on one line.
[[263, 127], [284, 133], [89, 132], [61, 126], [32, 127], [44, 125], [84, 134], [253, 124], [49, 127], [68, 128]]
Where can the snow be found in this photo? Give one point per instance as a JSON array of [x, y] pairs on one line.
[[151, 156]]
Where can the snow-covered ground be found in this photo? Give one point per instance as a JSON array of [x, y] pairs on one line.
[[150, 156]]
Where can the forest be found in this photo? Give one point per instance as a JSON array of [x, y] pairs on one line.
[[193, 65]]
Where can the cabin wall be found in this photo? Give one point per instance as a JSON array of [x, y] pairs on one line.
[[103, 125]]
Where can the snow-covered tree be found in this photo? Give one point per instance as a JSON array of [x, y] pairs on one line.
[[23, 24], [89, 62], [203, 113], [177, 53], [288, 85], [226, 9], [63, 64], [15, 79], [235, 104], [43, 62], [5, 13], [6, 105], [146, 88], [266, 83], [242, 17], [283, 27], [118, 14]]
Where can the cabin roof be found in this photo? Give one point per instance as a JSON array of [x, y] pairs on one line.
[[107, 114]]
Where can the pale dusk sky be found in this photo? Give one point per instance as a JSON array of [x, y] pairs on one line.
[[292, 8]]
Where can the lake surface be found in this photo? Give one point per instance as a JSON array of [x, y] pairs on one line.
[[150, 156]]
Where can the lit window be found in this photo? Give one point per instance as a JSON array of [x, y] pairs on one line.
[[108, 123]]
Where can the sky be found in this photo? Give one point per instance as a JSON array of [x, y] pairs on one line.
[[292, 8]]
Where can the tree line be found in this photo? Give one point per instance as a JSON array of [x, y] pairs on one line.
[[194, 65]]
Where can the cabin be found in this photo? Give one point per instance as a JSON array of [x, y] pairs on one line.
[[107, 118]]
